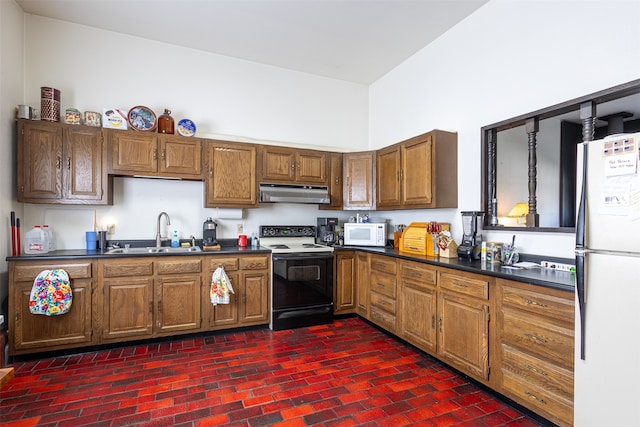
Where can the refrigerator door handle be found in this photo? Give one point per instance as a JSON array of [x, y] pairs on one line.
[[580, 249], [582, 302]]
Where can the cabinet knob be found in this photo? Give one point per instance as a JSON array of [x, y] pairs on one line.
[[58, 162]]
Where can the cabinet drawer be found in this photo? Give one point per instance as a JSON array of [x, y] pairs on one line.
[[539, 303], [180, 265], [538, 336], [531, 369], [384, 284], [383, 264], [383, 319], [127, 268], [384, 303], [30, 272], [465, 285], [531, 395], [418, 273], [229, 263], [254, 262]]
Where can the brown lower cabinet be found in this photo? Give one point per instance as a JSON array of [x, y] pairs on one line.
[[132, 298], [514, 337]]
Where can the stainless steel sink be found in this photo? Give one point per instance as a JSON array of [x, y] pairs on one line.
[[153, 250]]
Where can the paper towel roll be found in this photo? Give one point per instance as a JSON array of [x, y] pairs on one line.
[[228, 213]]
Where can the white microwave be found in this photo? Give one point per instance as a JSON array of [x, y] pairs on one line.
[[365, 234]]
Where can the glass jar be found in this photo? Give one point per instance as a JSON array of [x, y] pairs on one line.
[[165, 122]]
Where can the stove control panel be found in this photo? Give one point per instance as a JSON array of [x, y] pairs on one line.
[[287, 231]]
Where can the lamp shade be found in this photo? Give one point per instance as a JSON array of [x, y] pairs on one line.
[[519, 210]]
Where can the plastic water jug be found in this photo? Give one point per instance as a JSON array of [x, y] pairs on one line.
[[36, 241]]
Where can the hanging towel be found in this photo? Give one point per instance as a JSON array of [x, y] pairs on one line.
[[220, 287], [51, 293]]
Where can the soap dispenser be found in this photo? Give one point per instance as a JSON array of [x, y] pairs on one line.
[[175, 242]]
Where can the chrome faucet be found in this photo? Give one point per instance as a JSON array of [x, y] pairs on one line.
[[158, 237]]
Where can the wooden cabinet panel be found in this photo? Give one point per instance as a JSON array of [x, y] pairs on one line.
[[231, 175], [463, 333], [180, 156], [33, 332], [420, 172], [226, 315], [536, 342], [384, 284], [362, 284], [254, 262], [30, 333], [291, 165], [60, 163], [383, 291], [475, 287], [336, 190], [345, 283], [180, 265], [178, 303], [388, 177], [133, 153], [418, 301], [128, 308], [359, 174], [254, 297]]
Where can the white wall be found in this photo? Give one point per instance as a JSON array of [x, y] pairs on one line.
[[506, 59], [11, 84], [242, 100]]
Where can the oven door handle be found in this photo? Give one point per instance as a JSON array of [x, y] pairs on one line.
[[305, 255]]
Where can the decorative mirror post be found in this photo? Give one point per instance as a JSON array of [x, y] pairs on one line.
[[491, 174], [531, 126]]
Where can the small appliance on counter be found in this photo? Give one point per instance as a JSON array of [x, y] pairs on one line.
[[209, 234], [469, 248], [326, 231], [365, 234]]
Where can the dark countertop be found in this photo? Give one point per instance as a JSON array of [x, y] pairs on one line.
[[555, 279]]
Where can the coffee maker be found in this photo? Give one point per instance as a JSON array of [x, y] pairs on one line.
[[471, 235], [209, 233], [326, 231]]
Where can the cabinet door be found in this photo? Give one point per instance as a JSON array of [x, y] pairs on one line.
[[254, 297], [226, 315], [31, 332], [336, 190], [177, 303], [418, 305], [128, 308], [39, 161], [180, 156], [362, 285], [388, 177], [278, 164], [133, 153], [416, 172], [231, 178], [344, 289], [359, 175], [463, 333], [83, 179], [311, 167]]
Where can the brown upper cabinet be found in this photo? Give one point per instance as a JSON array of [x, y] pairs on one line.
[[60, 163], [335, 182], [420, 172], [359, 172], [292, 165], [230, 175], [150, 154]]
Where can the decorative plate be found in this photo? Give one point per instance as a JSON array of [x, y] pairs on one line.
[[186, 127], [142, 118]]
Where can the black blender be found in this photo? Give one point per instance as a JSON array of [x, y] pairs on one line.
[[472, 235]]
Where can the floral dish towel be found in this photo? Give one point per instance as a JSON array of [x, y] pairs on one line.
[[51, 293]]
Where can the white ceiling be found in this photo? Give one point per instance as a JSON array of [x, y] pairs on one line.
[[353, 40]]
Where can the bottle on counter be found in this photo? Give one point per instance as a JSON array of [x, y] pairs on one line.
[[255, 242], [36, 241], [49, 231], [165, 122], [175, 241]]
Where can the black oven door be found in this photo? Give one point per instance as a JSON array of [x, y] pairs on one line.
[[302, 289]]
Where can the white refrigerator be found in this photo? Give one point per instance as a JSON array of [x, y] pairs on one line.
[[607, 334]]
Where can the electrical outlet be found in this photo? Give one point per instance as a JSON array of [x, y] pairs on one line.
[[240, 228], [111, 228]]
